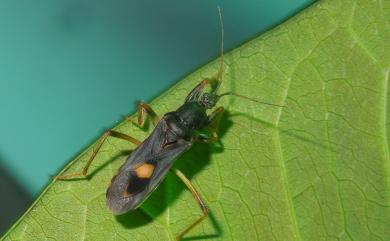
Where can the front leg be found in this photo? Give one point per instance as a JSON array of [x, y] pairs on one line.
[[197, 90], [214, 120], [144, 110]]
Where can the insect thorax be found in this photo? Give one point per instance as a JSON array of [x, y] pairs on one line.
[[188, 117]]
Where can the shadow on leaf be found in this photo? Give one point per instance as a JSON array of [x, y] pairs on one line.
[[134, 219]]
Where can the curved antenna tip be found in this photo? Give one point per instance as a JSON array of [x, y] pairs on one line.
[[221, 65]]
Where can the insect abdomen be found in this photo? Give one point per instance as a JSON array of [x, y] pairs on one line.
[[139, 178], [129, 188]]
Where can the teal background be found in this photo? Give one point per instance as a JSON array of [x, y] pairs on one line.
[[71, 69]]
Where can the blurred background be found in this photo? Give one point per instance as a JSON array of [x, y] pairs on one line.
[[71, 69]]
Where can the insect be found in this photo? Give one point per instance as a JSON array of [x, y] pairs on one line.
[[174, 133]]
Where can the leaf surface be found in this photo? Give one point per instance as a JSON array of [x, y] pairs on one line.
[[316, 169]]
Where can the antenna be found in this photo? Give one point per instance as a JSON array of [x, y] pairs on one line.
[[220, 72], [218, 77], [248, 98]]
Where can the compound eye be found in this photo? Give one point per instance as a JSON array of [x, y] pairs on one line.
[[208, 100], [183, 122]]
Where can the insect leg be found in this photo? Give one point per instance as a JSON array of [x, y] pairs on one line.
[[143, 110], [214, 119], [106, 134], [197, 90], [198, 198]]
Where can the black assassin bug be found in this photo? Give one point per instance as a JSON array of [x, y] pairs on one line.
[[173, 134]]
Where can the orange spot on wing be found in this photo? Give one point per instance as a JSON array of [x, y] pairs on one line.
[[145, 170], [126, 194]]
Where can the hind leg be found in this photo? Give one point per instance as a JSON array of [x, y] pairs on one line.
[[84, 171]]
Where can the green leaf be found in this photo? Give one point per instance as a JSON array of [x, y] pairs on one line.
[[316, 169]]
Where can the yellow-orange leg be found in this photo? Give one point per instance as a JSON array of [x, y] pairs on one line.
[[196, 91], [214, 121], [198, 198], [144, 110], [109, 133]]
